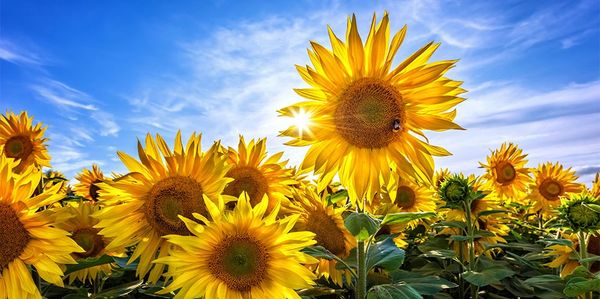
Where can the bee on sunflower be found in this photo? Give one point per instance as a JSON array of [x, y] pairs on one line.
[[22, 141], [88, 180], [144, 205], [551, 183], [256, 174], [365, 115], [240, 254], [506, 172], [28, 236]]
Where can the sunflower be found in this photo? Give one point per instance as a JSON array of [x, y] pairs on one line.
[[256, 174], [565, 256], [506, 173], [492, 224], [53, 177], [551, 183], [440, 176], [242, 254], [404, 195], [22, 141], [327, 223], [28, 236], [364, 116], [77, 220], [88, 180], [595, 192], [144, 205]]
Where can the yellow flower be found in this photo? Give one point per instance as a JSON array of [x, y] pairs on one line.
[[327, 222], [53, 177], [144, 205], [28, 236], [364, 116], [596, 186], [241, 254], [551, 183], [256, 174], [22, 141], [88, 180], [492, 224], [440, 177], [506, 173], [77, 219], [565, 256]]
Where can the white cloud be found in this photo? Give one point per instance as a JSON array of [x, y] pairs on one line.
[[17, 55]]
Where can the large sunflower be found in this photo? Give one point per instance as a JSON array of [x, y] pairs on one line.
[[77, 219], [242, 254], [88, 179], [327, 222], [363, 115], [256, 174], [144, 205], [552, 182], [28, 237], [506, 173], [22, 141]]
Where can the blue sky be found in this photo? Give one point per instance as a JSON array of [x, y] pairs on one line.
[[101, 74]]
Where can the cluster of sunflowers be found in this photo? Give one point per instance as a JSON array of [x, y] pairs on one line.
[[364, 216]]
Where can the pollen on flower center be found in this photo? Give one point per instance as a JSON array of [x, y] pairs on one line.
[[405, 197], [18, 147], [551, 189], [13, 236], [89, 240], [248, 179], [505, 173], [240, 261], [369, 113], [327, 233], [94, 190], [170, 198]]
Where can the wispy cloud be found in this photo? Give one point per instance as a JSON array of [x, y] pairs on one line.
[[14, 54], [62, 95]]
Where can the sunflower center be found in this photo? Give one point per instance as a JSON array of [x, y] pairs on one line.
[[369, 114], [94, 190], [248, 179], [505, 173], [13, 236], [18, 147], [240, 261], [89, 240], [171, 197], [551, 189], [406, 197], [327, 232]]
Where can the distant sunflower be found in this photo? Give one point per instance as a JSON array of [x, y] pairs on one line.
[[327, 222], [22, 141], [242, 254], [256, 174], [27, 236], [506, 172], [364, 116], [491, 224], [404, 195], [440, 176], [596, 186], [53, 177], [565, 256], [144, 205], [552, 182], [78, 220], [88, 180]]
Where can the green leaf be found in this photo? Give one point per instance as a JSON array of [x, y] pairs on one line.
[[590, 259], [320, 291], [425, 285], [487, 276], [393, 291], [120, 290], [361, 225], [491, 212], [404, 217], [385, 254], [337, 196], [440, 253], [88, 263], [579, 285], [454, 224], [122, 262], [319, 252]]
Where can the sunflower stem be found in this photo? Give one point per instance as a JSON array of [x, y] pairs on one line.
[[361, 284], [470, 243], [584, 254]]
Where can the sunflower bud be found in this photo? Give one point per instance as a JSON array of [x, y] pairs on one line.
[[581, 213], [455, 189]]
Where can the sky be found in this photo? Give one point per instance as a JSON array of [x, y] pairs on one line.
[[101, 74]]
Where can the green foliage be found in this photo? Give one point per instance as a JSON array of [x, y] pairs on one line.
[[361, 225], [393, 291]]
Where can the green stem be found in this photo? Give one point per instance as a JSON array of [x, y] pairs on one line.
[[470, 243], [584, 255], [361, 284]]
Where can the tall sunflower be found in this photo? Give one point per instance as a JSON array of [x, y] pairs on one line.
[[404, 195], [22, 141], [143, 206], [327, 223], [256, 174], [242, 254], [78, 220], [551, 183], [28, 236], [506, 173], [88, 180], [363, 115]]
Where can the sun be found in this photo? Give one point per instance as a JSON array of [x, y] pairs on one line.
[[366, 114]]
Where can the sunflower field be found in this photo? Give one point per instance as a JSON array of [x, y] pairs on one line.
[[365, 215]]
